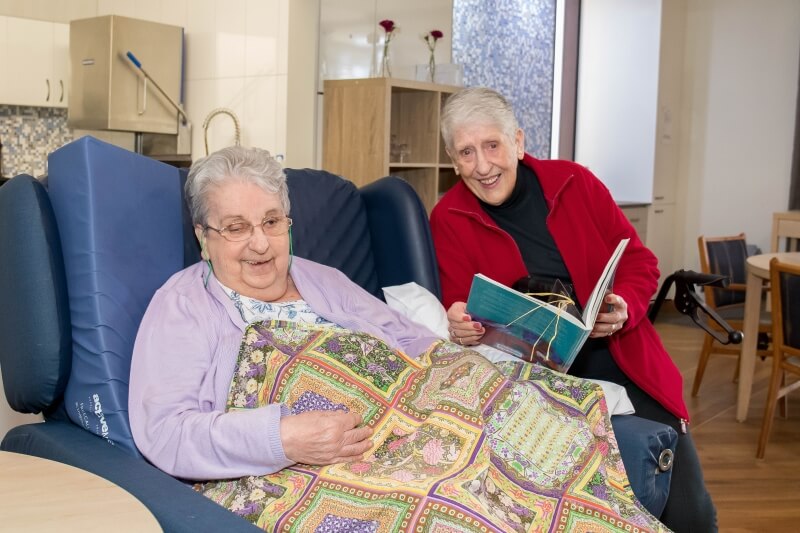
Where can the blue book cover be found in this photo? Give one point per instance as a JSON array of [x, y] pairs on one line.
[[533, 329]]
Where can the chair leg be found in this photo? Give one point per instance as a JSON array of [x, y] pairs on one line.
[[701, 364], [784, 406], [769, 411]]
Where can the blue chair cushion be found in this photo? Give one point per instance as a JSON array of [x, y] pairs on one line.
[[404, 251], [330, 225], [35, 330], [642, 443], [119, 216]]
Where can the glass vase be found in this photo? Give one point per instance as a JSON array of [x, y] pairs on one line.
[[432, 68], [386, 69]]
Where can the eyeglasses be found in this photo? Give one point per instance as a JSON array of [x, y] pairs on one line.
[[241, 231]]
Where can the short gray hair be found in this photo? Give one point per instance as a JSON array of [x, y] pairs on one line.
[[479, 105], [251, 165]]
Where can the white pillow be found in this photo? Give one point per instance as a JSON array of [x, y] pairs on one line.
[[419, 305]]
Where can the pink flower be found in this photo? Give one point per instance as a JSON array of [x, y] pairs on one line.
[[433, 451], [360, 467], [396, 444], [602, 447], [403, 476], [387, 25], [436, 34]]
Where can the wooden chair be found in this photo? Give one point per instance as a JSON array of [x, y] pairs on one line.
[[785, 282], [785, 225], [725, 256]]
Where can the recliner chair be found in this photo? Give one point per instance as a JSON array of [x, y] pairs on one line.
[[81, 259]]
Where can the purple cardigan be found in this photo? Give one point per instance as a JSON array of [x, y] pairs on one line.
[[185, 355]]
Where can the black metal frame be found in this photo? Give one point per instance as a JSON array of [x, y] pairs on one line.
[[688, 302]]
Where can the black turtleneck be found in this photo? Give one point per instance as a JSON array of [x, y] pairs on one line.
[[524, 216]]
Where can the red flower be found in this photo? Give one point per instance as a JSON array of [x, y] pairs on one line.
[[387, 25], [436, 34]]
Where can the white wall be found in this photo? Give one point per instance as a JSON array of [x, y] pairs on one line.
[[351, 41], [737, 117], [615, 130]]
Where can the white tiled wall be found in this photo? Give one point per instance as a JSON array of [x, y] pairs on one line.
[[234, 53]]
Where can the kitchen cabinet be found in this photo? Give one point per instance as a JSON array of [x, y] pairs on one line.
[[637, 215], [36, 63], [376, 127], [664, 232], [661, 237]]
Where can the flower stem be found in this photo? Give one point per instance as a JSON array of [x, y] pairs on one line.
[[386, 70]]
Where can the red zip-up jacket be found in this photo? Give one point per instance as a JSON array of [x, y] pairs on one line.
[[586, 225]]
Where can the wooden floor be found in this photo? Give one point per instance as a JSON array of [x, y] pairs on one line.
[[750, 494]]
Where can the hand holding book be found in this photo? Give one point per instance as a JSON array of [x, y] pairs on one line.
[[613, 319], [463, 330], [536, 330]]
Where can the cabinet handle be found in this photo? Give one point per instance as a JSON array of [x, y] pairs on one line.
[[61, 98], [633, 220], [658, 198], [47, 98], [657, 211]]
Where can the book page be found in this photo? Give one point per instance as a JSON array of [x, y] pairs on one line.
[[604, 284], [524, 326]]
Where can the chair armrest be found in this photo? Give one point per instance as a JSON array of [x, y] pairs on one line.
[[641, 444], [401, 237], [175, 505]]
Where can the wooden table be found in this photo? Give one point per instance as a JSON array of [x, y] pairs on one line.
[[757, 274], [41, 495], [785, 224]]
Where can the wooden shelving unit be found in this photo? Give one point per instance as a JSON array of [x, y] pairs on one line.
[[362, 119]]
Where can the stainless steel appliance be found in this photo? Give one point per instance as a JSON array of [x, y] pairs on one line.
[[109, 93]]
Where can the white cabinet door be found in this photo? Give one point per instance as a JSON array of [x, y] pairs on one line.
[[661, 237], [61, 65], [35, 59], [29, 62], [637, 216], [4, 79]]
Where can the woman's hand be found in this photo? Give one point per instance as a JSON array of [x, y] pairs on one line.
[[463, 330], [324, 437], [611, 321]]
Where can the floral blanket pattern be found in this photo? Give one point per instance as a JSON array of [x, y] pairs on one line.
[[461, 445]]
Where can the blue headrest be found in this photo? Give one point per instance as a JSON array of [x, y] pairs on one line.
[[330, 225], [35, 331], [119, 216]]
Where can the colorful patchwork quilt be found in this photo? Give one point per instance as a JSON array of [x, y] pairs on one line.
[[461, 444]]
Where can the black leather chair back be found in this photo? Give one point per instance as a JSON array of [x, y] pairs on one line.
[[728, 258], [789, 288]]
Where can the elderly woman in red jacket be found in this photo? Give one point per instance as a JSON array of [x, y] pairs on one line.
[[513, 217]]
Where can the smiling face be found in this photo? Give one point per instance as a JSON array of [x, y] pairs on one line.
[[486, 159], [257, 267]]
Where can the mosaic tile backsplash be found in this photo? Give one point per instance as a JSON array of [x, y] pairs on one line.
[[508, 45], [28, 134]]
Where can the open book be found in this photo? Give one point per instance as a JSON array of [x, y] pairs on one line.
[[530, 327]]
